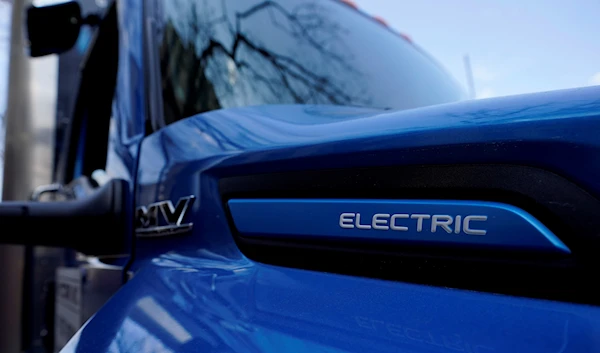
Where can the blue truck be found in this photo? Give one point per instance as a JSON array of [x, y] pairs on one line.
[[295, 176]]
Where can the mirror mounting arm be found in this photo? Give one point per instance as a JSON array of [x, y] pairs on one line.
[[95, 225]]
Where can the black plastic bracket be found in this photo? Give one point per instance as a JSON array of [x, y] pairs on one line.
[[95, 225]]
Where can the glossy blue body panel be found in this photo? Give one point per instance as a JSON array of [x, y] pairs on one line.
[[225, 302], [126, 129], [200, 293], [204, 302], [128, 110], [472, 224]]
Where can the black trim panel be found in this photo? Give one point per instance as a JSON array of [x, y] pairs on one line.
[[565, 208]]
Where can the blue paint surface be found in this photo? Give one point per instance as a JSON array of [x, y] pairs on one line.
[[83, 41], [495, 226], [205, 302], [229, 303], [128, 112], [200, 293]]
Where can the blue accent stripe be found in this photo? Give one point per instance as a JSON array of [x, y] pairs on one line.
[[476, 224]]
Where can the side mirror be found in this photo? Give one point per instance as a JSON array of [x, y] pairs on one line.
[[54, 29], [97, 224]]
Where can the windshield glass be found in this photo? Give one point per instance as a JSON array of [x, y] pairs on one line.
[[231, 53]]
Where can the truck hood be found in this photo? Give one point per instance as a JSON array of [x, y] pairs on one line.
[[554, 130], [201, 292]]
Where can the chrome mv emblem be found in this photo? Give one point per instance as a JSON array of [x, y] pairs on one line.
[[161, 218]]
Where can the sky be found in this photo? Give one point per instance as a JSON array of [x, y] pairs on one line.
[[515, 46]]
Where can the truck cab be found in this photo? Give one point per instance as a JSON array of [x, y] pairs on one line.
[[294, 175]]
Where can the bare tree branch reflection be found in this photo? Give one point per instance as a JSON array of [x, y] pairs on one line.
[[212, 57]]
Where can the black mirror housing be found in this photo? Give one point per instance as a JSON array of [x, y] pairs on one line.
[[53, 29]]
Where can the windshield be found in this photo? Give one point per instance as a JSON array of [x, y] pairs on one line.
[[230, 53]]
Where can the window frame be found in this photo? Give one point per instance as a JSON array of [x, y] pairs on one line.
[[79, 154], [153, 90]]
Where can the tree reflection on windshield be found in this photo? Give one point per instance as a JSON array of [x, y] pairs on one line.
[[214, 56], [220, 54]]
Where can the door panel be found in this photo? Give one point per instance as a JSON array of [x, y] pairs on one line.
[[128, 109]]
